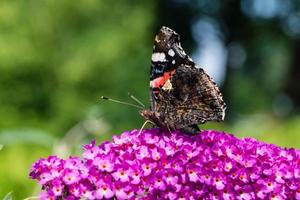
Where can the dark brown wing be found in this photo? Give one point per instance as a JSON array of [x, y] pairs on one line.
[[167, 56], [192, 97]]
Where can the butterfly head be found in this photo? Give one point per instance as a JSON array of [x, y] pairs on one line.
[[147, 114], [152, 116]]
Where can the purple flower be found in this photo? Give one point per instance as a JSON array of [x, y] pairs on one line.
[[157, 164]]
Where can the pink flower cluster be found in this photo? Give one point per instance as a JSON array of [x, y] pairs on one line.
[[157, 164]]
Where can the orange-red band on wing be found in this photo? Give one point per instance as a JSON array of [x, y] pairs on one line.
[[160, 81]]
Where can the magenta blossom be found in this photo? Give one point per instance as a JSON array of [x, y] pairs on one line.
[[157, 164]]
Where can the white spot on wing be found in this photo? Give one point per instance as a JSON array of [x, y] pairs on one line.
[[173, 62], [158, 57], [171, 52]]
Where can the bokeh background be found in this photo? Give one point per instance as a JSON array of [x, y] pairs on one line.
[[57, 57]]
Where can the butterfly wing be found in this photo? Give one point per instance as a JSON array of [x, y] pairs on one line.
[[166, 57], [182, 95], [196, 97]]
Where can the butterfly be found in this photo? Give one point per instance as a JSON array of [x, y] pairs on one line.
[[182, 94]]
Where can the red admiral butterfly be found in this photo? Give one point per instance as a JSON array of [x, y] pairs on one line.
[[182, 94]]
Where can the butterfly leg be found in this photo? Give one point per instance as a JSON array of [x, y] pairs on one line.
[[168, 127], [191, 130], [143, 126]]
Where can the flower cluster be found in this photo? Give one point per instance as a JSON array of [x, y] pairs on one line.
[[157, 164]]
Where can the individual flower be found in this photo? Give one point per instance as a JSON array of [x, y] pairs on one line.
[[158, 164]]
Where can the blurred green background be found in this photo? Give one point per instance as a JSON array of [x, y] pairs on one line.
[[57, 57]]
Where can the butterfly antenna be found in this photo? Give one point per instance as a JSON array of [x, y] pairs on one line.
[[121, 102], [136, 100]]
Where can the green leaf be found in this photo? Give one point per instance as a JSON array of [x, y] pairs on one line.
[[8, 196]]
